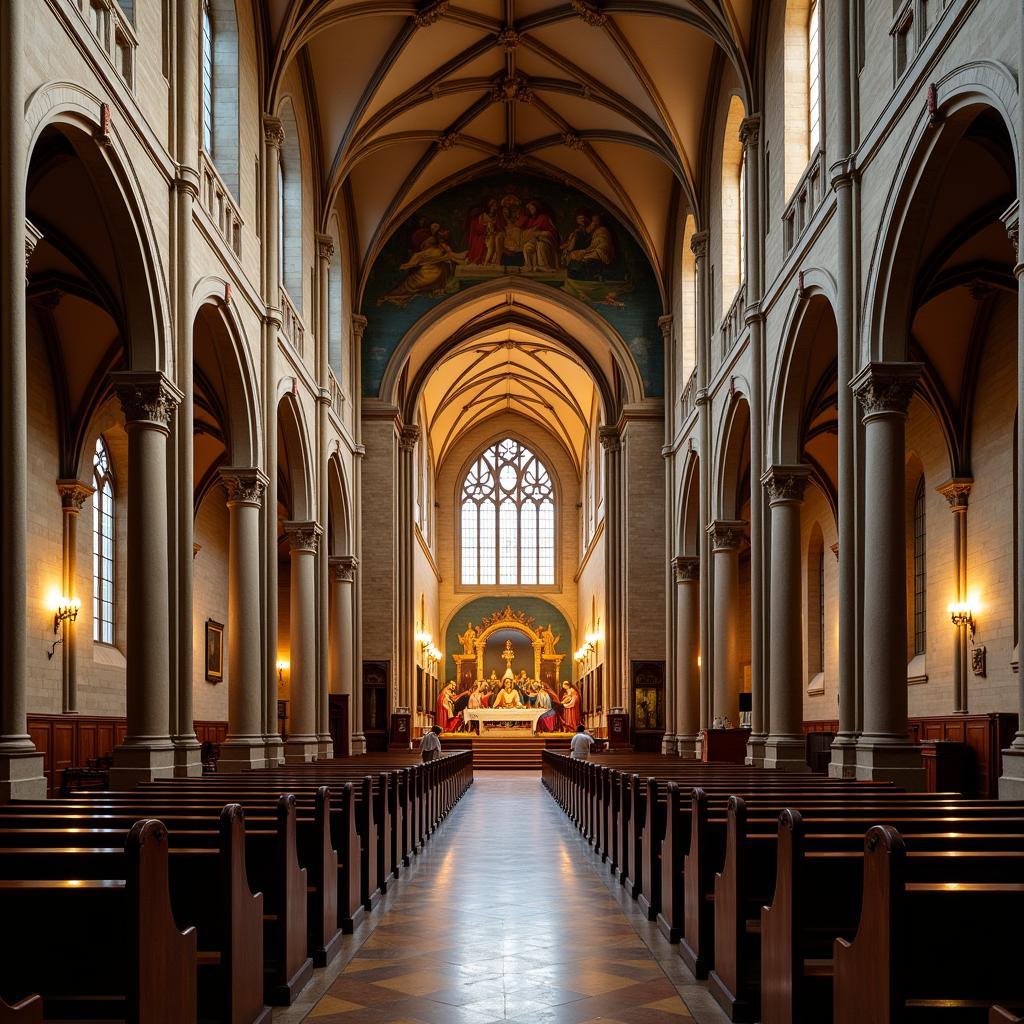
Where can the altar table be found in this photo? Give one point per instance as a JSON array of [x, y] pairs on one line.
[[482, 715]]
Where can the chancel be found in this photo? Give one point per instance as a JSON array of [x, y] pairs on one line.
[[511, 510]]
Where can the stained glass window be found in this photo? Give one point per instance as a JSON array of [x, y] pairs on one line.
[[508, 519], [102, 546]]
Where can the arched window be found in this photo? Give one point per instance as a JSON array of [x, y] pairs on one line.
[[335, 333], [289, 208], [815, 603], [688, 305], [508, 518], [102, 546], [802, 89], [920, 573], [219, 88], [732, 205], [813, 77]]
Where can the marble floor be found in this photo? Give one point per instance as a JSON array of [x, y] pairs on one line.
[[507, 916]]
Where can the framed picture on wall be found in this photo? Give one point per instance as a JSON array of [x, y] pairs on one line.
[[214, 651]]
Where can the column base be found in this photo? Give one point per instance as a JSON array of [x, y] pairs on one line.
[[688, 747], [786, 753], [882, 760], [188, 761], [21, 775], [844, 757], [668, 743], [357, 744], [300, 749], [142, 761], [755, 750], [325, 747], [242, 753], [274, 747], [1011, 782]]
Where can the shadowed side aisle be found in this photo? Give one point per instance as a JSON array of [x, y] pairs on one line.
[[505, 920]]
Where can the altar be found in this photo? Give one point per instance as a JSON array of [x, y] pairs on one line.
[[483, 715]]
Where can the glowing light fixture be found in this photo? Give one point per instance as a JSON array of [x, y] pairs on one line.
[[65, 609], [962, 614]]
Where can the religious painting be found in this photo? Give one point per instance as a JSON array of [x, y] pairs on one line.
[[648, 691], [518, 226], [214, 651]]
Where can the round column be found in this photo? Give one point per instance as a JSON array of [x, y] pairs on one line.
[[405, 640], [244, 746], [73, 495], [884, 391], [726, 538], [784, 745], [343, 574], [148, 400], [301, 744], [686, 574], [616, 683]]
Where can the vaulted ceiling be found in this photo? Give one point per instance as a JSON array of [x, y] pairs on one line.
[[413, 96]]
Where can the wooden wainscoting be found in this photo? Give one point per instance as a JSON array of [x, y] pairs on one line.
[[69, 741]]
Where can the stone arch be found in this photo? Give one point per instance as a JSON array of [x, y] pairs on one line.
[[690, 524], [294, 443], [290, 169], [339, 536], [733, 452]]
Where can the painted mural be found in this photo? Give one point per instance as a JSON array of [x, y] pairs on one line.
[[518, 225]]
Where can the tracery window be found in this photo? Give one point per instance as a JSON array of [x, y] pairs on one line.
[[508, 519], [207, 78], [102, 546], [813, 77], [920, 573]]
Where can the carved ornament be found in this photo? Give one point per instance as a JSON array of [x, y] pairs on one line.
[[273, 131], [303, 536], [750, 129], [325, 247], [431, 12], [699, 244], [244, 486], [956, 491], [590, 13], [573, 141], [508, 39], [686, 568], [147, 397], [886, 388], [408, 436], [73, 495], [510, 159], [785, 483], [610, 439], [512, 89], [344, 568], [726, 534], [447, 140]]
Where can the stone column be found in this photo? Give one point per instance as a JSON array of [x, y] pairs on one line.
[[726, 537], [273, 139], [784, 745], [616, 683], [21, 768], [884, 391], [668, 743], [148, 399], [73, 495], [686, 574], [343, 629], [358, 738], [245, 746], [301, 744], [405, 641], [956, 492]]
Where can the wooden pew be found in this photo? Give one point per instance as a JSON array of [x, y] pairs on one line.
[[1002, 1015], [28, 1011], [119, 951]]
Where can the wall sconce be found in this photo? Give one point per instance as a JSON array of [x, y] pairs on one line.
[[282, 667], [66, 610], [961, 614], [434, 653]]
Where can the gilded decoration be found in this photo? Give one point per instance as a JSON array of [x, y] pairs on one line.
[[542, 639]]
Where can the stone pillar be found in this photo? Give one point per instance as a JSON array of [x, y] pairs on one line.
[[73, 495], [956, 492], [408, 437], [301, 744], [668, 743], [148, 399], [273, 139], [245, 746], [343, 630], [21, 768], [784, 745], [614, 635], [884, 752], [358, 738], [686, 574], [726, 537]]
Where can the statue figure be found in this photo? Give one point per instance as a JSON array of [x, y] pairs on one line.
[[468, 639]]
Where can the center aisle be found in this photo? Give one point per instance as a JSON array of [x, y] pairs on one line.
[[504, 919]]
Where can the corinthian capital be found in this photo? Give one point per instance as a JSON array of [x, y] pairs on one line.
[[408, 437], [73, 495], [750, 129], [273, 131], [611, 440], [785, 484], [303, 536], [726, 534], [699, 244], [146, 397], [244, 486], [686, 568], [344, 568], [325, 247], [956, 491], [885, 389]]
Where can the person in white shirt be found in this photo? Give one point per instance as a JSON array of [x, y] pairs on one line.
[[430, 745], [580, 744]]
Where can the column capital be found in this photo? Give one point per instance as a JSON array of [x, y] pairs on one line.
[[665, 324], [73, 495], [359, 323], [885, 389], [1011, 221], [33, 236], [726, 534], [408, 436], [325, 247], [590, 13], [685, 568], [273, 131], [430, 12], [785, 484], [699, 244], [956, 491], [147, 396], [186, 181], [750, 130], [303, 536], [343, 568], [244, 486], [610, 438]]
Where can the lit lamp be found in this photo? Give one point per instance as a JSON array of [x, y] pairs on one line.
[[65, 610], [962, 614], [282, 667]]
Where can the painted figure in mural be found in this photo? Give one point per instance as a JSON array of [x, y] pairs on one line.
[[429, 270], [468, 639], [588, 252], [571, 710], [445, 712], [550, 639], [540, 238], [507, 697], [482, 233], [548, 722]]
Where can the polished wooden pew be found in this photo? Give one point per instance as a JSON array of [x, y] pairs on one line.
[[112, 948], [926, 951], [1004, 1015], [26, 1011]]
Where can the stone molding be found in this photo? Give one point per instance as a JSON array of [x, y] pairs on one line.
[[359, 323], [686, 569], [699, 244], [589, 12], [785, 484], [33, 236], [147, 396], [447, 140], [244, 486], [750, 130], [572, 141], [343, 568], [431, 12], [610, 438], [885, 389], [408, 436], [325, 247], [73, 495], [508, 39], [665, 324], [726, 534], [273, 131], [956, 491], [1011, 221], [512, 89], [303, 536]]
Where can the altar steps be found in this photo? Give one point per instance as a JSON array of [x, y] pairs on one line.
[[496, 754]]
